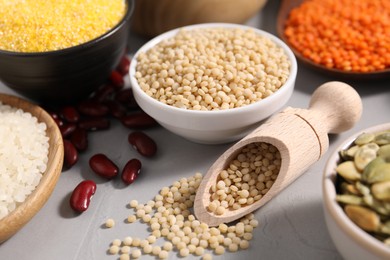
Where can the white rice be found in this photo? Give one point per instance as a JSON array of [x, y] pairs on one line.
[[24, 149]]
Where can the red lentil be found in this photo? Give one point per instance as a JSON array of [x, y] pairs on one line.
[[346, 35]]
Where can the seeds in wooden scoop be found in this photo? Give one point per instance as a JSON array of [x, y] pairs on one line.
[[170, 217], [364, 181], [247, 178]]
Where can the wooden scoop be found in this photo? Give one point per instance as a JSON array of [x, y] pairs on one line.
[[300, 135]]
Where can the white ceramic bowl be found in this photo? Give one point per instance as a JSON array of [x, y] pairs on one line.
[[213, 127], [351, 241]]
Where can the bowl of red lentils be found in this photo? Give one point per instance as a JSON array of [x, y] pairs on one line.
[[213, 83], [355, 188], [60, 51], [30, 161], [345, 39]]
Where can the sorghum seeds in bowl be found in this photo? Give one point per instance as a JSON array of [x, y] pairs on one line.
[[356, 194], [61, 51], [213, 83], [31, 157]]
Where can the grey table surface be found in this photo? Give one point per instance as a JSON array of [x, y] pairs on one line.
[[292, 225]]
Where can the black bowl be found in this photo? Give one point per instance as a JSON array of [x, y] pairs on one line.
[[69, 74]]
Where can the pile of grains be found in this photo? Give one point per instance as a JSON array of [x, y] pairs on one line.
[[169, 218], [249, 176], [46, 25], [347, 35], [212, 69], [23, 156]]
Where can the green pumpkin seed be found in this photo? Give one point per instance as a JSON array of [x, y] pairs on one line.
[[384, 152], [369, 170], [348, 154], [365, 138], [363, 217], [381, 190], [378, 173], [348, 171], [350, 199], [383, 138], [363, 189], [364, 155]]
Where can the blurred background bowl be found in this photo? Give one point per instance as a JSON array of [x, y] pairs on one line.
[[70, 74], [152, 17], [15, 220], [350, 240], [213, 127]]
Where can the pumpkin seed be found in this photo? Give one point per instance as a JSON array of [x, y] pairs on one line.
[[364, 155], [349, 153], [369, 170], [383, 138], [381, 190], [365, 138], [348, 171], [349, 199], [378, 173], [365, 218], [363, 189], [384, 152]]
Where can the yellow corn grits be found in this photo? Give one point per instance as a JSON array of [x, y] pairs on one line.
[[47, 25]]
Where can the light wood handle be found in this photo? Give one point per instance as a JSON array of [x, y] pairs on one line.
[[300, 135]]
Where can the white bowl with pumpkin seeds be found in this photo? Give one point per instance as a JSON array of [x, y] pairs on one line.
[[356, 194]]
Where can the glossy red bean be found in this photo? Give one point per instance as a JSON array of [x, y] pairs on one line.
[[123, 66], [131, 171], [126, 97], [94, 123], [116, 109], [104, 93], [141, 142], [103, 166], [67, 129], [70, 114], [79, 139], [117, 79], [82, 195], [138, 120], [53, 114], [71, 156], [92, 108]]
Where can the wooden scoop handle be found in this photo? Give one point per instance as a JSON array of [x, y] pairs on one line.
[[300, 135]]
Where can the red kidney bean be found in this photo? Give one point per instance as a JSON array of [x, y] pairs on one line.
[[92, 108], [103, 166], [123, 66], [94, 123], [124, 95], [71, 155], [70, 114], [138, 120], [116, 108], [117, 79], [82, 195], [103, 93], [131, 171], [79, 139], [143, 143], [67, 129]]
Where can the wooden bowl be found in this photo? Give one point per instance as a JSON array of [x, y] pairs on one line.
[[16, 219], [284, 10], [153, 17]]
